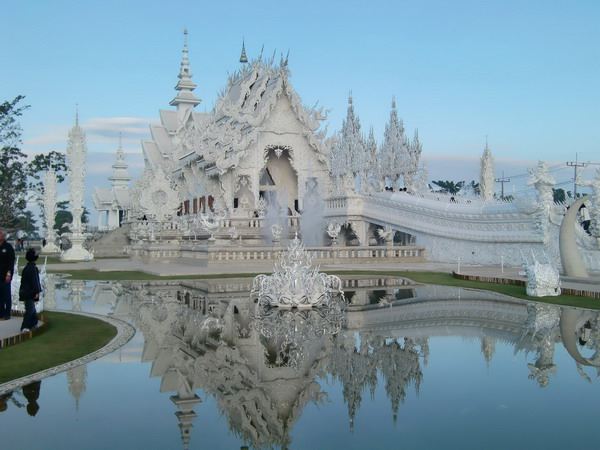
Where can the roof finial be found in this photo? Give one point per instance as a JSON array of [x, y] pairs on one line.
[[243, 57], [393, 102], [120, 140], [76, 114], [184, 70], [350, 97], [185, 86]]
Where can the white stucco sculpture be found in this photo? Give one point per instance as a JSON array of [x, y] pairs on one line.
[[486, 177], [50, 212], [296, 283], [543, 279], [76, 152]]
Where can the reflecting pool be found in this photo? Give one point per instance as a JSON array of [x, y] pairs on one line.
[[401, 367]]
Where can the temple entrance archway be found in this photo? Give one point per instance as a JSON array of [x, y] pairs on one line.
[[278, 180]]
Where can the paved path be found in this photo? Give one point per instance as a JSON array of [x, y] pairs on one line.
[[9, 328], [190, 267], [587, 284]]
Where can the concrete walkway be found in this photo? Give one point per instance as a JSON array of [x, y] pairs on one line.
[[189, 267], [591, 284], [10, 328]]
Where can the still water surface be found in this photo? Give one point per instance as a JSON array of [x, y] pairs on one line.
[[410, 367]]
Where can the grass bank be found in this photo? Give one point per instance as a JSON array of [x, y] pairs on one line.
[[66, 337], [438, 278], [446, 279]]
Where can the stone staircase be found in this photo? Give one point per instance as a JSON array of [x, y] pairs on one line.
[[112, 244]]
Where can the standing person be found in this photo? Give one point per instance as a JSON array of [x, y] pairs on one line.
[[585, 218], [7, 265], [30, 290]]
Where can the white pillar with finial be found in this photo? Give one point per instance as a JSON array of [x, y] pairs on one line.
[[50, 213], [76, 152]]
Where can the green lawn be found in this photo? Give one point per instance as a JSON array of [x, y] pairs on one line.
[[66, 337], [447, 279]]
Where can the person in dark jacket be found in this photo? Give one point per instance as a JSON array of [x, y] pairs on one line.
[[30, 290], [7, 265], [31, 392]]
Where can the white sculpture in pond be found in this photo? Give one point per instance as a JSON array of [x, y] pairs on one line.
[[543, 279], [296, 283]]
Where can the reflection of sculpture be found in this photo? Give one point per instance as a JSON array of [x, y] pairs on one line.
[[295, 282], [263, 366], [357, 368], [287, 334]]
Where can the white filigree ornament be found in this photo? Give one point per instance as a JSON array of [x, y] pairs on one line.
[[296, 283]]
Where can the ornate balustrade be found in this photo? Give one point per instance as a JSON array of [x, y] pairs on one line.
[[481, 221], [320, 254]]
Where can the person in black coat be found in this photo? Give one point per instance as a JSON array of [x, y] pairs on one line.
[[7, 265], [30, 290]]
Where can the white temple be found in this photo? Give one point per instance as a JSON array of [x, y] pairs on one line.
[[230, 183], [113, 203]]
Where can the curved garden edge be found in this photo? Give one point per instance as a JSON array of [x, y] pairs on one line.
[[124, 334]]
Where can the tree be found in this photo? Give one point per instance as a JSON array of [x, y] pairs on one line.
[[474, 187], [559, 195], [43, 162], [27, 224], [449, 187], [65, 217], [13, 173]]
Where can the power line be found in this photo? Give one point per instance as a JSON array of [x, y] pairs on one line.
[[502, 180], [575, 164]]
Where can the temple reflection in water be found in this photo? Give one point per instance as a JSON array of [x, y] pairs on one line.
[[205, 336]]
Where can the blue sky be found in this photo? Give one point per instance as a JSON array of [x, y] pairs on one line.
[[527, 74]]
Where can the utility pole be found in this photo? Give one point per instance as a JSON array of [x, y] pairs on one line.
[[502, 181], [575, 164]]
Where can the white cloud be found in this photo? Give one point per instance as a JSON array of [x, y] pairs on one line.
[[102, 135]]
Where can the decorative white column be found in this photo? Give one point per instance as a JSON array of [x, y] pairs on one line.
[[50, 212], [486, 177], [76, 152]]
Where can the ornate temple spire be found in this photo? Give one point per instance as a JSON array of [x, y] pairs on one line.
[[394, 150], [185, 98], [486, 176], [120, 176], [243, 57]]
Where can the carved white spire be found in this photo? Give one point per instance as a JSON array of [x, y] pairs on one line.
[[243, 57], [185, 98], [415, 148], [50, 211], [120, 176], [352, 145], [76, 153], [486, 176], [394, 151]]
